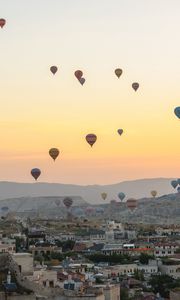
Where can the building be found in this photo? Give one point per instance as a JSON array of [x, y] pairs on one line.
[[172, 270], [151, 268], [165, 249], [25, 262], [117, 270]]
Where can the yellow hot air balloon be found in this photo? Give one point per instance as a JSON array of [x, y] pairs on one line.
[[154, 193], [104, 196], [118, 72], [54, 152]]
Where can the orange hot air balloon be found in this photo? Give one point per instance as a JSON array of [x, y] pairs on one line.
[[118, 72], [35, 173], [154, 193], [78, 74], [53, 69], [104, 196], [135, 86], [2, 22], [91, 139], [82, 80], [54, 152], [132, 204]]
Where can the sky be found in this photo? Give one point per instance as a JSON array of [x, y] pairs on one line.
[[40, 111]]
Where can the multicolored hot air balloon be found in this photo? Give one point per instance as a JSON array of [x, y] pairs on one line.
[[53, 69], [154, 193], [121, 196], [54, 152], [177, 111], [135, 86], [104, 196], [91, 139], [68, 202], [35, 173], [174, 183], [132, 204], [78, 74], [2, 22], [120, 131], [118, 72]]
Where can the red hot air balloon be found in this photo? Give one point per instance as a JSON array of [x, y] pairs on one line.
[[53, 69], [91, 139], [2, 22], [78, 74], [132, 204], [68, 202], [35, 173], [135, 86]]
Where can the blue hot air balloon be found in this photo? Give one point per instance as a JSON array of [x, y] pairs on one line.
[[177, 111], [121, 196], [174, 183], [178, 189]]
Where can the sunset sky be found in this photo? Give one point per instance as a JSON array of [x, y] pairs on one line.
[[39, 111]]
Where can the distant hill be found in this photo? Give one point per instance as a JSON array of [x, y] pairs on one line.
[[90, 193]]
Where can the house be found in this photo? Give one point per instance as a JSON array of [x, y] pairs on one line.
[[150, 268], [165, 249]]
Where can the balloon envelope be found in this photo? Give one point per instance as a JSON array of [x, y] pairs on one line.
[[104, 196], [78, 74], [4, 209], [135, 86], [174, 183], [91, 139], [54, 152], [120, 131], [68, 202], [154, 193], [53, 69], [121, 196], [118, 72], [177, 111], [2, 22], [178, 181], [82, 80], [35, 173], [57, 201]]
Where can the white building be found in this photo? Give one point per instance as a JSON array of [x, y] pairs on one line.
[[165, 249], [151, 268], [171, 270]]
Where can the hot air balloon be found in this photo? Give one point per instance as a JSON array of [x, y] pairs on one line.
[[104, 196], [82, 80], [178, 181], [2, 22], [174, 183], [91, 139], [78, 74], [118, 72], [57, 201], [135, 86], [4, 209], [121, 196], [53, 69], [35, 173], [154, 193], [120, 131], [177, 111], [178, 189], [90, 210], [54, 152], [68, 202], [132, 204]]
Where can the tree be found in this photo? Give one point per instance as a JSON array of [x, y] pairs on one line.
[[124, 294], [163, 284], [144, 258]]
